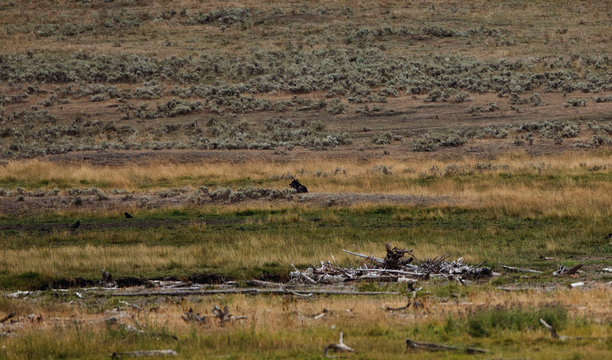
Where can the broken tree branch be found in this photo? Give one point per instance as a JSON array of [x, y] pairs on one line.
[[224, 315], [339, 347], [563, 270], [378, 260], [266, 284], [550, 328], [521, 269], [250, 291], [291, 292], [437, 347], [401, 272], [8, 317], [320, 315], [145, 353], [304, 275], [192, 316]]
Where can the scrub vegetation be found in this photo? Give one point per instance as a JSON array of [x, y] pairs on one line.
[[478, 130]]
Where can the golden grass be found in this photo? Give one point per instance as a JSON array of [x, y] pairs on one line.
[[286, 326], [247, 251], [277, 312], [570, 183], [358, 174], [67, 260]]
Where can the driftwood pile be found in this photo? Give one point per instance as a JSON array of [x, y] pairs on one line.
[[396, 266]]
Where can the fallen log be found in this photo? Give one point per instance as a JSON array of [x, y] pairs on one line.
[[377, 259], [266, 284], [382, 278], [249, 291], [401, 272], [291, 292], [521, 269], [437, 347], [144, 353], [8, 317]]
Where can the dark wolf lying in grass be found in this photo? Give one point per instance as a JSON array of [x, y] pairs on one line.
[[299, 187]]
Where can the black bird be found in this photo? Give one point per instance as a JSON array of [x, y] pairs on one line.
[[608, 237], [127, 215], [76, 225]]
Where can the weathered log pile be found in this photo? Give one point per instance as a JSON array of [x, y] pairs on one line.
[[398, 265]]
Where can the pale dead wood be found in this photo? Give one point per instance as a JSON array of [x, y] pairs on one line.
[[555, 335], [224, 315], [339, 347], [550, 328], [394, 264], [510, 268], [321, 314], [144, 353], [8, 317], [133, 306], [267, 284], [294, 293], [381, 278], [250, 291], [391, 271], [303, 275], [579, 284], [437, 347], [192, 316], [377, 259], [563, 270]]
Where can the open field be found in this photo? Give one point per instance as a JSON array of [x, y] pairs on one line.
[[287, 328], [480, 131]]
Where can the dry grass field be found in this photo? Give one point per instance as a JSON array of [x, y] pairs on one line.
[[478, 130]]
